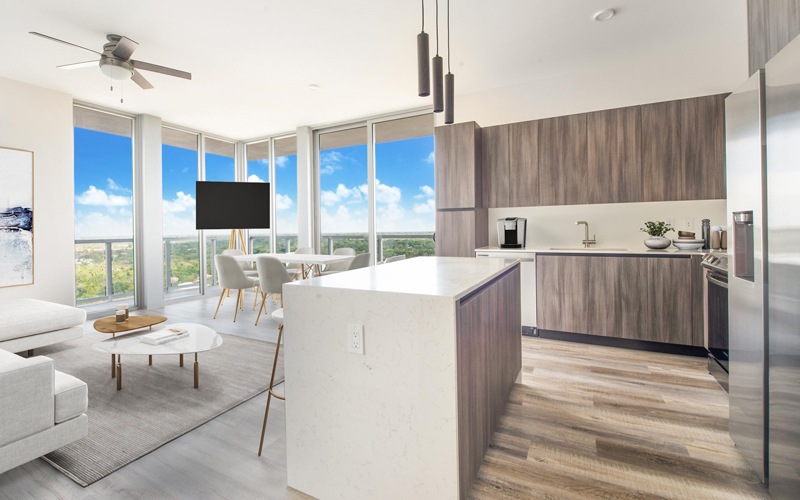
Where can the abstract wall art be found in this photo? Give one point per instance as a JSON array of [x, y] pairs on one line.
[[16, 217]]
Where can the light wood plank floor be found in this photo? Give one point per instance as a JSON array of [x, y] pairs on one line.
[[586, 422]]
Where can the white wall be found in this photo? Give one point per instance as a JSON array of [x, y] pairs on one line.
[[40, 120], [616, 225]]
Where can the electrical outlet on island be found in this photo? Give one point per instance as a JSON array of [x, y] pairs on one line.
[[355, 338], [688, 224]]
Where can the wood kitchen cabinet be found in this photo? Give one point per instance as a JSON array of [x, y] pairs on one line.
[[494, 162], [460, 232], [703, 148], [657, 299], [615, 155], [457, 151], [563, 173], [771, 24], [523, 164], [661, 151]]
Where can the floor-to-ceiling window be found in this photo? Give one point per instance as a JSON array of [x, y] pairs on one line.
[[343, 201], [220, 165], [258, 170], [180, 167], [104, 249], [404, 198], [285, 207]]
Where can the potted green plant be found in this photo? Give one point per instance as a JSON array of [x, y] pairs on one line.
[[657, 230]]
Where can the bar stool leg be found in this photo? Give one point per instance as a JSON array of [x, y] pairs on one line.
[[269, 391]]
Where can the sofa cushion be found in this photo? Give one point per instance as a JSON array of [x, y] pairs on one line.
[[71, 398], [26, 396], [23, 317]]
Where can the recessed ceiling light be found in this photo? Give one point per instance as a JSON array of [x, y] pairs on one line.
[[313, 86], [604, 15]]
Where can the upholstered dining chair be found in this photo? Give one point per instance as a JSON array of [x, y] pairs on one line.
[[232, 277], [338, 267], [394, 258], [359, 261], [271, 276], [246, 267]]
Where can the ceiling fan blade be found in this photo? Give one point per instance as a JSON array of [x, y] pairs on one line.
[[85, 64], [64, 42], [125, 48], [160, 69], [139, 80]]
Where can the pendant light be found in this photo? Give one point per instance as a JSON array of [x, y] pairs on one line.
[[449, 79], [423, 62], [438, 91]]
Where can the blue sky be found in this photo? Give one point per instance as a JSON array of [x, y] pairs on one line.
[[404, 191]]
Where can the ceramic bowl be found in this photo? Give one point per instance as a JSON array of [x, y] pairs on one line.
[[688, 244]]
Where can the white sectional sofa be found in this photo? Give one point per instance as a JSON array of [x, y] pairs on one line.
[[26, 324], [41, 409]]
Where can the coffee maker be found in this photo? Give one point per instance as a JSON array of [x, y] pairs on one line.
[[511, 232]]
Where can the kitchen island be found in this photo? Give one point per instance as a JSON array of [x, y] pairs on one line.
[[413, 415]]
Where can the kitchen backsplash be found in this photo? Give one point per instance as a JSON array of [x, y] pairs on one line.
[[613, 224]]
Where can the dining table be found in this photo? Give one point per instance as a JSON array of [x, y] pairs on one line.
[[309, 262]]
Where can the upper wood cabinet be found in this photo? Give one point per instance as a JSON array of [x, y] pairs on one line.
[[460, 232], [615, 155], [771, 24], [661, 151], [458, 166], [523, 164], [703, 148], [495, 161], [563, 173]]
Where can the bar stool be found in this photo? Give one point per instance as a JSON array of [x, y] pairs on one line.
[[277, 315]]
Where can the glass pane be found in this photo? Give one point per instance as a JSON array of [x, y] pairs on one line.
[[103, 207], [258, 171], [179, 160], [285, 194], [404, 196], [220, 166], [343, 190]]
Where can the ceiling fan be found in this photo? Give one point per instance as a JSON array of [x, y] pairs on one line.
[[116, 63]]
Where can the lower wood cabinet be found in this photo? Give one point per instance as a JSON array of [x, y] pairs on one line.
[[658, 299]]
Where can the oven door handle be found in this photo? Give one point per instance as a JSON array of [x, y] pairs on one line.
[[717, 282]]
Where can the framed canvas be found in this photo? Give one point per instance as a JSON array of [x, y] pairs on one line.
[[16, 217]]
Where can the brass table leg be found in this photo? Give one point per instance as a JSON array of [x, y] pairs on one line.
[[113, 366], [119, 372], [150, 359], [181, 365], [196, 372]]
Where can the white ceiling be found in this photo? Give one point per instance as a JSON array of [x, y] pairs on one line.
[[252, 60]]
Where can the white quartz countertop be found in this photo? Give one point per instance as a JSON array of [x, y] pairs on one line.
[[668, 252], [437, 276]]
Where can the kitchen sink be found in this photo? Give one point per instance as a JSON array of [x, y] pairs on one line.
[[582, 249]]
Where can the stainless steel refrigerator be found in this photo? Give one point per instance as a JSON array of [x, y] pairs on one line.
[[747, 315], [783, 269]]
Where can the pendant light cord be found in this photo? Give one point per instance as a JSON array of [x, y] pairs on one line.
[[423, 16], [448, 36], [437, 27]]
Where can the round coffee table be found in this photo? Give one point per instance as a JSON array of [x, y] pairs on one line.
[[201, 338]]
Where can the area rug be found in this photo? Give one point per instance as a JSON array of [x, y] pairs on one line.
[[157, 403]]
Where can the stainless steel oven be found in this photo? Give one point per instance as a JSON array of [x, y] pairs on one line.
[[716, 315]]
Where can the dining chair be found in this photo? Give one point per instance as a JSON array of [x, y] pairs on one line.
[[298, 269], [271, 276], [359, 261], [394, 258], [338, 267], [232, 277], [246, 267]]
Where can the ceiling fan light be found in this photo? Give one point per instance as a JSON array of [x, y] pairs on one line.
[[116, 71]]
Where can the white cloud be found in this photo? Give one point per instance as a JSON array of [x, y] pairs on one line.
[[113, 186], [103, 225], [343, 220], [283, 201], [384, 193], [254, 178], [98, 197], [342, 194], [425, 208], [330, 161], [178, 224], [426, 192], [430, 158], [181, 203], [281, 161]]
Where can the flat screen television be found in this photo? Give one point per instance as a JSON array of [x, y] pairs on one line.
[[232, 205]]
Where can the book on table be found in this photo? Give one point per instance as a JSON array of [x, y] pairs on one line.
[[166, 335]]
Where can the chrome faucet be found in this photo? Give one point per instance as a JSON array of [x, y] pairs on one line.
[[586, 240]]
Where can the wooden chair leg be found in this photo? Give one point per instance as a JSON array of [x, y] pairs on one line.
[[263, 306], [221, 298], [238, 302], [269, 391], [255, 296]]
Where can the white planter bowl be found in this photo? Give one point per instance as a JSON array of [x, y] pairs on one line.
[[657, 242]]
